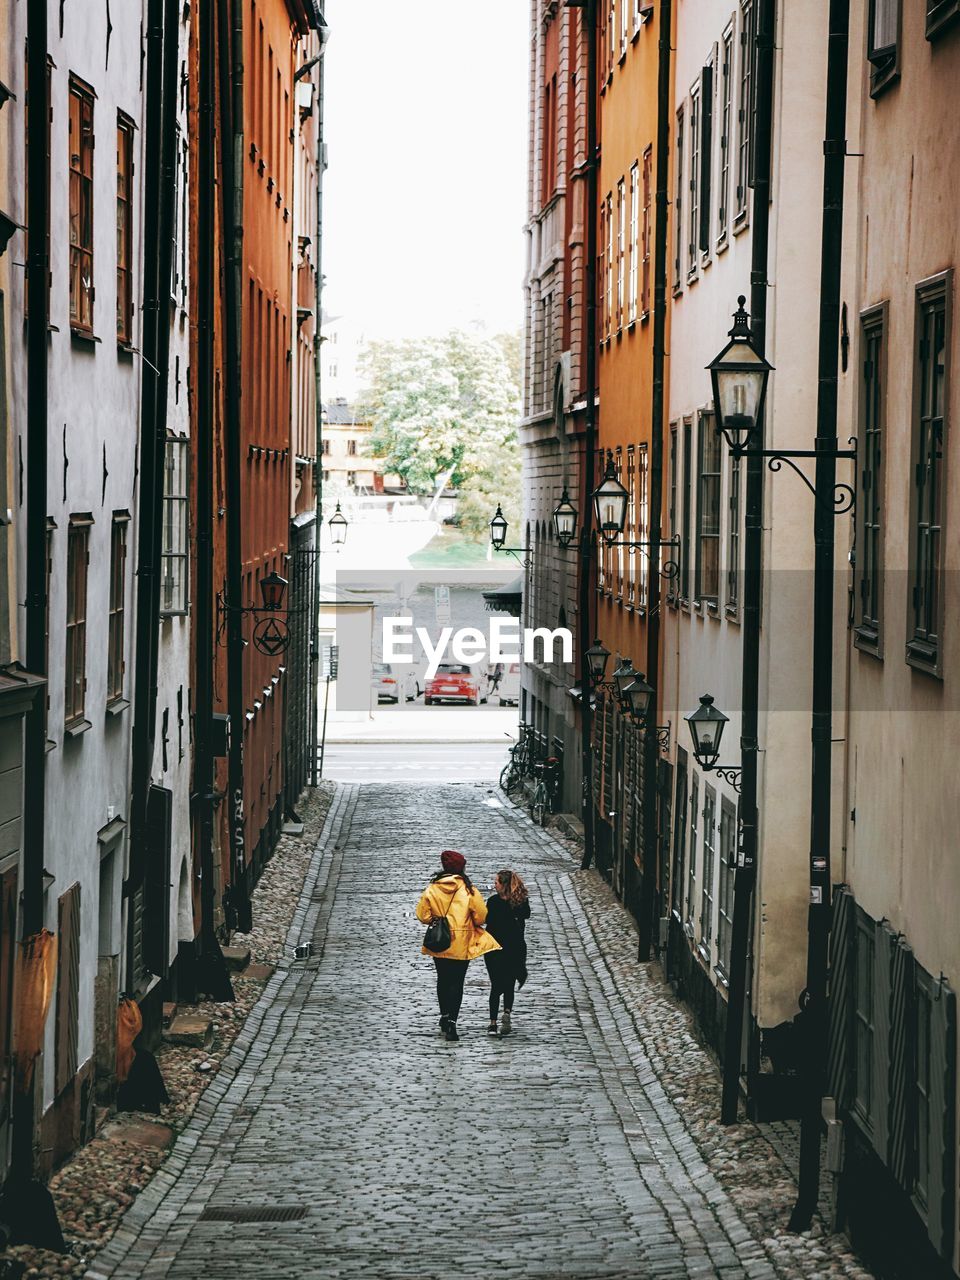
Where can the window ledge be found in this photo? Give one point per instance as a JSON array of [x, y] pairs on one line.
[[644, 317], [125, 348], [623, 57], [117, 706], [923, 657], [50, 745], [722, 980], [732, 614], [83, 337], [722, 245], [867, 640], [940, 18], [76, 729], [740, 223]]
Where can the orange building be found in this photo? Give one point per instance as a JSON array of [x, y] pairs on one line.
[[627, 50]]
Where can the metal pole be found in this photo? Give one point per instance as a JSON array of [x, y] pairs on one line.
[[745, 874], [315, 771], [212, 976], [586, 586], [230, 57], [818, 919], [651, 748]]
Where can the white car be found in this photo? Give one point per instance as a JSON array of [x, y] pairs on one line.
[[508, 686], [390, 682]]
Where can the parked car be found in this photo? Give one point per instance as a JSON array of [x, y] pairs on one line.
[[458, 682], [390, 682], [505, 682]]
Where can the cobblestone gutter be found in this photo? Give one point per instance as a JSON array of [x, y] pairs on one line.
[[95, 1187]]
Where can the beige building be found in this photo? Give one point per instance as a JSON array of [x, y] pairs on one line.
[[896, 945], [348, 465]]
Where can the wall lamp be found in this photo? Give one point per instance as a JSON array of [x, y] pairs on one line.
[[633, 693], [706, 730]]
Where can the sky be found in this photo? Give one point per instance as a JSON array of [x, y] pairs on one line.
[[425, 107]]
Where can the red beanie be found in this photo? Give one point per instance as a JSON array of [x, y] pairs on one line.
[[452, 861]]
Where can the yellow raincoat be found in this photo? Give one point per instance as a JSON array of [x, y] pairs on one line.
[[466, 912]]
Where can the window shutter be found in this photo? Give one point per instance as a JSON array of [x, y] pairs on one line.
[[706, 154], [159, 833], [943, 1048], [841, 994], [903, 1064], [884, 942], [68, 989]]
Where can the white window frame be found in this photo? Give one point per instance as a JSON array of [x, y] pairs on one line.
[[634, 242]]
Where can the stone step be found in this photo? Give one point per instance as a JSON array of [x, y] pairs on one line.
[[186, 1029], [237, 958]]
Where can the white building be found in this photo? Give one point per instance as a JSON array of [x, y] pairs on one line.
[[95, 167]]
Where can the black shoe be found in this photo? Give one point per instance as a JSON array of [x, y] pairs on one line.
[[444, 1023], [492, 1027], [451, 1030]]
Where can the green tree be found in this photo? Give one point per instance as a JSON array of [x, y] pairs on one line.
[[447, 407]]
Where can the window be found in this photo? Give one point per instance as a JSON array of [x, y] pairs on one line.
[[175, 550], [745, 105], [549, 184], [631, 524], [67, 1025], [118, 561], [620, 549], [685, 512], [706, 158], [679, 834], [643, 526], [611, 232], [883, 44], [637, 20], [706, 883], [178, 261], [124, 228], [870, 498], [611, 34], [733, 538], [940, 15], [602, 275], [926, 569], [693, 208], [707, 584], [728, 870], [647, 231], [352, 448], [325, 447], [723, 177], [678, 209], [672, 510], [863, 1019], [633, 285], [624, 25], [75, 662], [81, 206], [692, 865], [621, 250]]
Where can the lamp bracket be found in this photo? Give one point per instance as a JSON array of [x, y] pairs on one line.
[[729, 773], [662, 732], [670, 567], [844, 495], [522, 555]]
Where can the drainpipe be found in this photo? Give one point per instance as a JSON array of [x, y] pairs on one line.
[[230, 15], [746, 872], [318, 457], [159, 194], [818, 918], [586, 584], [38, 187], [651, 747], [212, 976]]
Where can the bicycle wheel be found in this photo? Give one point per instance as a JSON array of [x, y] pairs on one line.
[[538, 805], [505, 774], [514, 782]]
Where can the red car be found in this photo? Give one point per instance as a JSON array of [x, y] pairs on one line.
[[458, 682]]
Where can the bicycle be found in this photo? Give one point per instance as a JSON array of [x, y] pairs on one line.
[[514, 771], [547, 791]]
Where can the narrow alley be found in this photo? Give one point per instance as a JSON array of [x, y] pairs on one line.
[[344, 1137]]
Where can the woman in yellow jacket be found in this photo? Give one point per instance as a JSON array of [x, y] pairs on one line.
[[451, 894]]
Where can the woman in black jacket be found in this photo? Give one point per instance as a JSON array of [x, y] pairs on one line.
[[508, 910]]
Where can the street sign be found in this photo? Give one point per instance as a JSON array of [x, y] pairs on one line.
[[441, 599]]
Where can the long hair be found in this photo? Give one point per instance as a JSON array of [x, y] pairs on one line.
[[442, 875], [516, 890]]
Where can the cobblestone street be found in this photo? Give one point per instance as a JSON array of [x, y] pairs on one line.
[[584, 1145]]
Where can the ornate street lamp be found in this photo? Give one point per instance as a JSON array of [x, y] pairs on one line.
[[597, 657], [565, 520], [622, 678], [498, 529], [272, 588], [739, 375], [638, 695], [706, 730], [610, 500], [337, 524]]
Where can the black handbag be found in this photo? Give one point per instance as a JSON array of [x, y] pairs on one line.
[[438, 936]]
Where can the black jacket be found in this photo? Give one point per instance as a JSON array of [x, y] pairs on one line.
[[506, 923]]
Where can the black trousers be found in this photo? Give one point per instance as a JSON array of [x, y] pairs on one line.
[[450, 979], [503, 982]]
